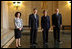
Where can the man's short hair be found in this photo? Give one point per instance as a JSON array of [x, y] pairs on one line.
[[35, 9]]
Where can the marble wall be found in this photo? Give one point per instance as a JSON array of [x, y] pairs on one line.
[[4, 15], [27, 8], [65, 9]]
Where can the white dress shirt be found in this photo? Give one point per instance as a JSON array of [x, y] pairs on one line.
[[35, 15]]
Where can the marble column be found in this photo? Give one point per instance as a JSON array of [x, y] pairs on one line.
[[6, 33], [4, 15]]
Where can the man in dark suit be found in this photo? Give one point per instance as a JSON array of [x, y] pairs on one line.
[[33, 24], [45, 25], [57, 23]]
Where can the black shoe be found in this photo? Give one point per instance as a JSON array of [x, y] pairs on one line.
[[45, 43], [20, 46], [35, 43], [17, 47], [45, 46], [60, 42], [33, 46]]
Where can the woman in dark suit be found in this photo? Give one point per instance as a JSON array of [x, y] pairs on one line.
[[18, 28], [45, 25]]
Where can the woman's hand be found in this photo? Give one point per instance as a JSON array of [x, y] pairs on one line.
[[20, 29]]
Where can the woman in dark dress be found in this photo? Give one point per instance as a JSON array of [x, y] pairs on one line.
[[18, 28]]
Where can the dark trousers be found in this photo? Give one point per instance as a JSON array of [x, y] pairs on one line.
[[45, 36], [56, 31], [33, 36]]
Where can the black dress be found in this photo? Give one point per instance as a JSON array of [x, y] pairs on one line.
[[18, 24], [17, 33]]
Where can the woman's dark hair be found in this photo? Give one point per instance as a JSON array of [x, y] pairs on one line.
[[44, 11], [17, 14], [35, 9]]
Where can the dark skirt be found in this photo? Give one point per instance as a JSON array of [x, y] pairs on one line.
[[17, 33]]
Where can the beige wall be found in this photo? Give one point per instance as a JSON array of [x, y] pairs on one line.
[[4, 15], [1, 17], [65, 9], [27, 8]]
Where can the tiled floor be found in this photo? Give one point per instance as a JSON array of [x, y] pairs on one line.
[[25, 40]]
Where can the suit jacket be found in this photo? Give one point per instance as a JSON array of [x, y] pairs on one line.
[[57, 20], [33, 22], [45, 22]]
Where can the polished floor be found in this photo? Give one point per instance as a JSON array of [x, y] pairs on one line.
[[25, 40]]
